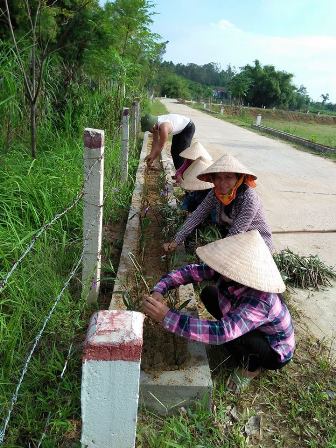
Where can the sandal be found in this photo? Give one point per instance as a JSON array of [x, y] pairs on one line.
[[237, 383]]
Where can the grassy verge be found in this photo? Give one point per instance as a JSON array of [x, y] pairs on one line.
[[318, 133], [157, 108]]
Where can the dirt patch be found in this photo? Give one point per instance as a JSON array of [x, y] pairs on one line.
[[162, 350], [113, 233]]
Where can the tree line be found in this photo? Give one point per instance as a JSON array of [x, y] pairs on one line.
[[256, 85]]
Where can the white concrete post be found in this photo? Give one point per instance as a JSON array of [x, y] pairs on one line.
[[138, 115], [93, 211], [222, 110], [204, 105], [110, 379], [134, 121], [258, 120], [125, 144]]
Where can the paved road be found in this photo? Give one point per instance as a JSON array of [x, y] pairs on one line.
[[298, 190]]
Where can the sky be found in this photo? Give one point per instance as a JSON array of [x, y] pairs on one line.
[[297, 36]]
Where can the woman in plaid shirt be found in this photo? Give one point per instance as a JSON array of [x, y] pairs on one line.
[[252, 319], [237, 205]]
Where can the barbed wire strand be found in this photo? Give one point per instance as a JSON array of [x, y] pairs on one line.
[[57, 390], [48, 317]]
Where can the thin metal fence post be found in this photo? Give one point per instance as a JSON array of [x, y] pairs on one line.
[[125, 144], [93, 211]]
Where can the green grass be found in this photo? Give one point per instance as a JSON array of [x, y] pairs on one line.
[[157, 108], [324, 134]]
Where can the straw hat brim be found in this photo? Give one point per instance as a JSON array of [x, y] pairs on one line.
[[194, 151], [225, 164], [189, 177], [246, 259]]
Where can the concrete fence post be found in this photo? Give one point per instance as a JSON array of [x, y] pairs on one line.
[[222, 110], [93, 211], [134, 122], [125, 144], [258, 120], [110, 379], [204, 105], [138, 114]]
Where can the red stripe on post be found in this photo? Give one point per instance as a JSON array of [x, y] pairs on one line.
[[120, 352], [93, 138], [114, 335]]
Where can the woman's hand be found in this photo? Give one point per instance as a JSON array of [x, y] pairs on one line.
[[150, 159], [170, 247], [155, 307], [178, 180]]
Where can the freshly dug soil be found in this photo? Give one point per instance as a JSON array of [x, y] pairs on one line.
[[161, 350]]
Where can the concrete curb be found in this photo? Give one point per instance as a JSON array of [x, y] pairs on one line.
[[131, 235]]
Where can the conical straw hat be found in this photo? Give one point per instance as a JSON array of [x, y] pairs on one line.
[[189, 177], [226, 164], [195, 151], [246, 259]]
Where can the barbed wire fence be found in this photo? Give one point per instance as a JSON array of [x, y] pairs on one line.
[[39, 233], [4, 281]]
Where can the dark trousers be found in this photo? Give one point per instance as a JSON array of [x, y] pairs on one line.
[[192, 199], [251, 350], [180, 142]]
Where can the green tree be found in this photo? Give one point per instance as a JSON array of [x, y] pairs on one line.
[[268, 87], [325, 98], [173, 86], [239, 86]]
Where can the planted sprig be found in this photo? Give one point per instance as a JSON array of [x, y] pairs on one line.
[[138, 270], [303, 271], [209, 234]]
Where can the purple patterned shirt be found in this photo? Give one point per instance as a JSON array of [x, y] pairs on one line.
[[244, 309], [245, 214]]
